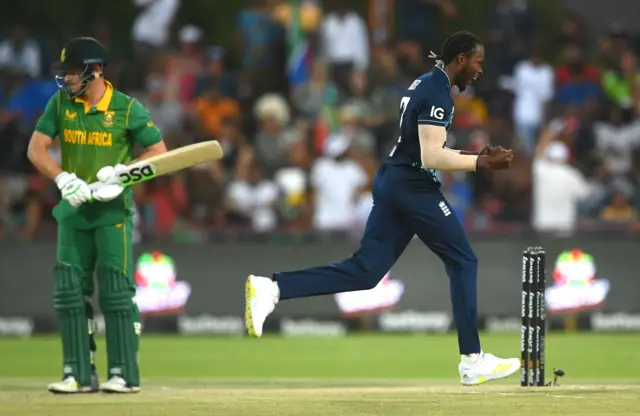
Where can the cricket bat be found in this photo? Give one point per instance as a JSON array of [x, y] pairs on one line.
[[165, 163]]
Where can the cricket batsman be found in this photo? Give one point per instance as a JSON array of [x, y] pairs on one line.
[[97, 127], [408, 202]]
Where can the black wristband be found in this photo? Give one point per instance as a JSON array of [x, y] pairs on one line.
[[468, 152]]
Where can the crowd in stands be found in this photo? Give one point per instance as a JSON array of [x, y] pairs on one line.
[[301, 152]]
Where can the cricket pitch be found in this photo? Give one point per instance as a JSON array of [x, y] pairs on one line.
[[213, 398]]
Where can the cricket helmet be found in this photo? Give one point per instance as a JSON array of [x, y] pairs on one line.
[[82, 54]]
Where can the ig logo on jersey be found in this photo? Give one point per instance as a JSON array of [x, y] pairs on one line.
[[437, 112]]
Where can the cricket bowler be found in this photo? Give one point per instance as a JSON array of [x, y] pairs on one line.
[[408, 202], [98, 127]]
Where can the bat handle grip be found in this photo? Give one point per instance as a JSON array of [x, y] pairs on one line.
[[95, 185]]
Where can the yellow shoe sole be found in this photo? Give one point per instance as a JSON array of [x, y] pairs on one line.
[[249, 293]]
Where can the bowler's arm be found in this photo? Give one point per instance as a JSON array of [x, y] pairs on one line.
[[40, 157], [462, 152], [435, 156]]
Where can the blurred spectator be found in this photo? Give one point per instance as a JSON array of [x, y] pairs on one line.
[[205, 194], [169, 115], [185, 65], [151, 30], [573, 31], [261, 45], [253, 197], [309, 17], [470, 110], [233, 143], [215, 73], [512, 29], [420, 21], [578, 81], [380, 21], [25, 98], [345, 43], [274, 136], [20, 53], [211, 108], [376, 107], [616, 139], [161, 203], [558, 188], [337, 182], [292, 180], [612, 45], [353, 131], [533, 88], [384, 71], [621, 208], [622, 84], [316, 96]]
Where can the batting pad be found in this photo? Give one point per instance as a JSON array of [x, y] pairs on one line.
[[116, 293], [69, 304]]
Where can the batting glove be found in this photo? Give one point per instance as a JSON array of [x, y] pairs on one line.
[[109, 174], [110, 189], [107, 192], [73, 189]]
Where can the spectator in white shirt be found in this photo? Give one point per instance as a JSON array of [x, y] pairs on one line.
[[337, 182], [20, 53], [253, 196], [558, 188], [344, 43], [533, 82]]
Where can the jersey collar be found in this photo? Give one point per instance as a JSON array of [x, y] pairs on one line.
[[103, 104], [445, 74]]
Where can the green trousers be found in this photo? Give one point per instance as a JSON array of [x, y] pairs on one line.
[[103, 255]]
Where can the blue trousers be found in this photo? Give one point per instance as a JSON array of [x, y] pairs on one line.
[[405, 204]]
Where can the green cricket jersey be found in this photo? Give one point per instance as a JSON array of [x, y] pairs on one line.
[[94, 137]]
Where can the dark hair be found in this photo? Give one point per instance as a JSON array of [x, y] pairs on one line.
[[457, 43]]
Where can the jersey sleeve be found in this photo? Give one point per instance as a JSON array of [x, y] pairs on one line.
[[434, 108], [49, 122], [140, 126]]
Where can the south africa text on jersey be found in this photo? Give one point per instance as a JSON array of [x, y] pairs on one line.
[[91, 138]]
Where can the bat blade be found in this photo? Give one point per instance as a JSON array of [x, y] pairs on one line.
[[185, 157], [169, 162]]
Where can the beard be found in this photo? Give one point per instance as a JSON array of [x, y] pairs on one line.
[[463, 78]]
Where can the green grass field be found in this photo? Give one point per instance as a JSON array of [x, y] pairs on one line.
[[383, 375]]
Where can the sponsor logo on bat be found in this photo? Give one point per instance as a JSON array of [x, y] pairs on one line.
[[137, 174]]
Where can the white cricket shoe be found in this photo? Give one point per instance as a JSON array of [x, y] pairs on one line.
[[261, 296], [69, 385], [118, 385], [486, 367]]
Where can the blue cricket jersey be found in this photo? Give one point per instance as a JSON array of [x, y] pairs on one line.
[[427, 101]]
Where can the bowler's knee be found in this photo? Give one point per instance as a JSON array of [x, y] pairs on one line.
[[369, 271], [464, 262]]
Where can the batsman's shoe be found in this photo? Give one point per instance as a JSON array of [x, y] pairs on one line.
[[118, 385], [486, 367], [69, 385], [261, 296]]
